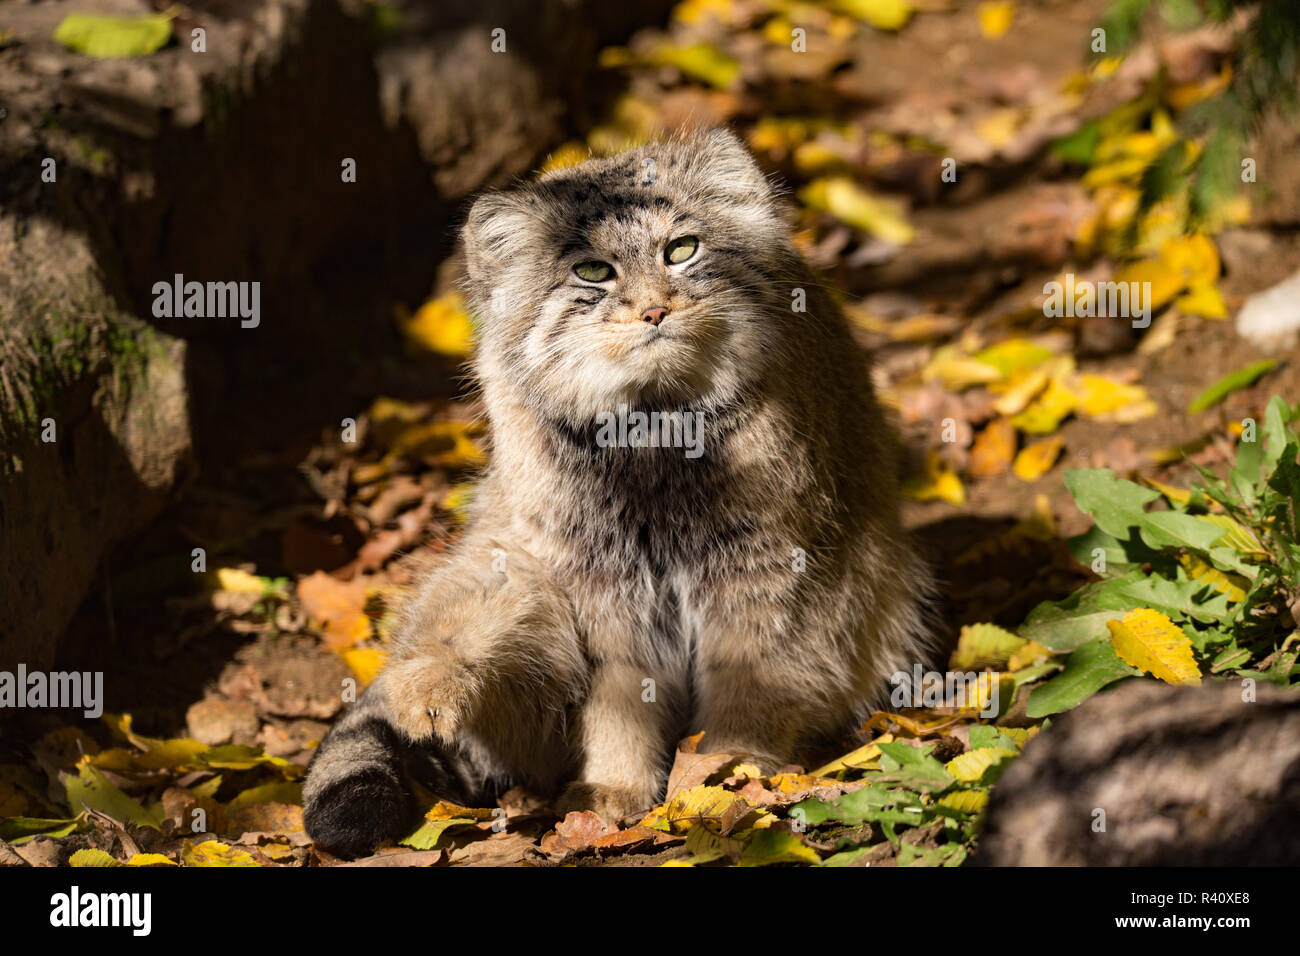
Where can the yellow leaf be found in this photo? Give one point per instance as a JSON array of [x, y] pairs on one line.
[[447, 444], [446, 810], [1037, 459], [1107, 400], [937, 482], [700, 61], [1027, 655], [1178, 496], [958, 372], [984, 645], [1233, 585], [881, 14], [214, 853], [1194, 258], [365, 662], [970, 766], [1149, 641], [995, 17], [150, 859], [965, 801], [718, 809], [856, 760], [1237, 536], [1023, 389], [1046, 412], [847, 201], [798, 782], [93, 858], [920, 328], [458, 498], [1203, 300], [999, 127], [442, 325], [695, 11], [1157, 280], [570, 154], [777, 846], [1014, 355], [241, 582]]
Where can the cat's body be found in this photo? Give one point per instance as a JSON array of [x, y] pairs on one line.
[[606, 600]]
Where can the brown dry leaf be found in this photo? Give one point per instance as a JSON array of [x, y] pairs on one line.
[[399, 858], [994, 448], [577, 831], [338, 607], [692, 769], [263, 818]]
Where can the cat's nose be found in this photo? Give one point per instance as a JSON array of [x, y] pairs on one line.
[[655, 314]]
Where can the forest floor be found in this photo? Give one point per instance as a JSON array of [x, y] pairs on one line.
[[308, 547]]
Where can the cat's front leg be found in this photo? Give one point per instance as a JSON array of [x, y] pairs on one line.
[[624, 738]]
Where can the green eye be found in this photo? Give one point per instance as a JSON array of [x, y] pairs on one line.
[[680, 249], [594, 271]]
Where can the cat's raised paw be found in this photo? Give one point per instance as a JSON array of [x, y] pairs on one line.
[[429, 695]]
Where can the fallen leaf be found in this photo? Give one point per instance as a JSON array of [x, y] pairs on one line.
[[214, 853], [937, 482], [993, 449], [995, 17], [442, 325], [1146, 639], [850, 203], [1037, 459], [114, 37]]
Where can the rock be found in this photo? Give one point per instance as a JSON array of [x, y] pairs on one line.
[[1270, 318], [219, 720], [1185, 776], [225, 166]]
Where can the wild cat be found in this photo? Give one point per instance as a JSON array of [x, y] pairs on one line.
[[611, 595]]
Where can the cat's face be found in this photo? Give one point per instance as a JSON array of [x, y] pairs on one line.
[[647, 278]]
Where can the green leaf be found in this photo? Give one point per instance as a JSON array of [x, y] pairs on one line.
[[1090, 668], [983, 737], [849, 857], [1079, 618], [777, 846], [1117, 505], [427, 836], [1173, 529], [114, 37], [871, 804], [91, 790], [18, 830], [1276, 433], [1120, 557], [1080, 145], [950, 854], [1232, 382], [914, 768]]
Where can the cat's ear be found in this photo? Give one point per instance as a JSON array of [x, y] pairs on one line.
[[498, 223], [731, 167]]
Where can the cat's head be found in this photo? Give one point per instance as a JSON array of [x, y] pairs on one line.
[[650, 277]]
